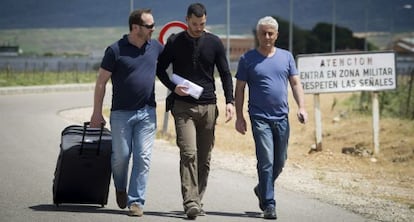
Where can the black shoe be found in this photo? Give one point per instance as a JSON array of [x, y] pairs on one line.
[[256, 191], [270, 213], [192, 212], [121, 199]]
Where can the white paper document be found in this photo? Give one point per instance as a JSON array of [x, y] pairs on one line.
[[193, 90]]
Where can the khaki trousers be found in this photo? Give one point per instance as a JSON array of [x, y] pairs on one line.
[[194, 125]]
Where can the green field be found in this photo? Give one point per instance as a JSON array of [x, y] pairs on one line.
[[87, 41], [45, 78], [73, 41]]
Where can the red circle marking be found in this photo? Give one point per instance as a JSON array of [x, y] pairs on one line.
[[168, 26]]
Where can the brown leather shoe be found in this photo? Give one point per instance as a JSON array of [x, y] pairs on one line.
[[121, 199]]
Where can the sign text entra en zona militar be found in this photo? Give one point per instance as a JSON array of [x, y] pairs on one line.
[[321, 73]]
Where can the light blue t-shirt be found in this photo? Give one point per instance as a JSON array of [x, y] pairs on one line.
[[267, 80]]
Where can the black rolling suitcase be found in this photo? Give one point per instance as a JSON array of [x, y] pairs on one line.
[[83, 169]]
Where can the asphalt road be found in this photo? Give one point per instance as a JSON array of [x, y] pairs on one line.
[[29, 145]]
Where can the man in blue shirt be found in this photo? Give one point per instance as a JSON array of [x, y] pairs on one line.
[[130, 63], [267, 70]]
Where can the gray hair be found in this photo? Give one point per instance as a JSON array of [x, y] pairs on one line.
[[268, 20]]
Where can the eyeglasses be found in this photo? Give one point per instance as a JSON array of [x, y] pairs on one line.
[[148, 26]]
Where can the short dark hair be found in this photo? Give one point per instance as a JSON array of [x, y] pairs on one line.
[[136, 17], [196, 9]]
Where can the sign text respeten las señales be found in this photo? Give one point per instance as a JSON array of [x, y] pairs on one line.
[[324, 73]]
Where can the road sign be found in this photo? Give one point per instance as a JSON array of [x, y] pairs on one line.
[[345, 72], [171, 28]]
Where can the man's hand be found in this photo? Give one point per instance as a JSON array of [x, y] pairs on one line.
[[229, 111], [97, 120], [241, 125], [302, 116], [181, 90]]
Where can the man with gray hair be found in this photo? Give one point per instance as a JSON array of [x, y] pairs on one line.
[[267, 70]]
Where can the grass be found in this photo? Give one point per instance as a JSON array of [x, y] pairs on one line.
[[81, 41], [45, 78], [65, 41]]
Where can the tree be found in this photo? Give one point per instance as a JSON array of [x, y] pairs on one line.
[[318, 39], [344, 38]]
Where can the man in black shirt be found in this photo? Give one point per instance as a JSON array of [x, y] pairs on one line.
[[193, 54]]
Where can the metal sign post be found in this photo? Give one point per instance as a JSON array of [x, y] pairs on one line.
[[166, 31]]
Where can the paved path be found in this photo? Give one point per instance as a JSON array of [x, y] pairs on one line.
[[29, 144]]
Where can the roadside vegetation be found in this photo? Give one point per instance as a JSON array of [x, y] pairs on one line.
[[398, 103], [45, 78]]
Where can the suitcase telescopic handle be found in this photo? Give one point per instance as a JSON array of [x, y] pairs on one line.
[[85, 126]]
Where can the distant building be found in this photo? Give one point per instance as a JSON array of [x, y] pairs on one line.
[[238, 45], [404, 46], [9, 50], [404, 49]]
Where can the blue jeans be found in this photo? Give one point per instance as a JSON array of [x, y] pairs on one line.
[[271, 139], [133, 132]]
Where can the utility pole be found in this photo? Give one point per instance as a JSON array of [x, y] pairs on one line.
[[367, 4], [228, 31], [291, 26], [333, 25]]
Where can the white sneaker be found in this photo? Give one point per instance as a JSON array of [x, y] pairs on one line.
[[192, 212], [135, 210]]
